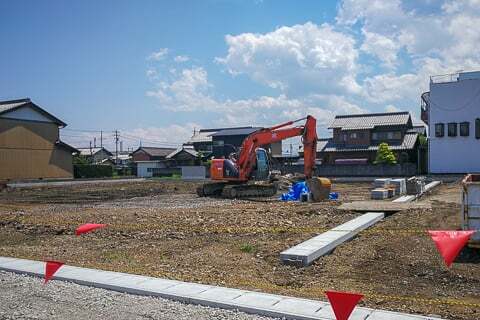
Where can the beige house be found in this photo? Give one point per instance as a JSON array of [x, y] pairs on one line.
[[30, 147]]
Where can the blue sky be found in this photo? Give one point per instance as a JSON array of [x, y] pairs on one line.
[[156, 70]]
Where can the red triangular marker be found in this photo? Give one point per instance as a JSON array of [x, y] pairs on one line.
[[343, 303], [84, 228], [450, 243], [50, 268]]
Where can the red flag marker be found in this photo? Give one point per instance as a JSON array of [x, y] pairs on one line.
[[343, 303], [450, 243], [50, 268], [84, 228]]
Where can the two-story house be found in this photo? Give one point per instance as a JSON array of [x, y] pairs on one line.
[[356, 138]]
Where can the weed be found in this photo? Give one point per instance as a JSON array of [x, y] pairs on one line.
[[248, 248]]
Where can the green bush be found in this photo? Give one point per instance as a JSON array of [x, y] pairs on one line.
[[385, 155], [92, 171], [247, 248]]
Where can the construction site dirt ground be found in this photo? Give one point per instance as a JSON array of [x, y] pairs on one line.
[[161, 228]]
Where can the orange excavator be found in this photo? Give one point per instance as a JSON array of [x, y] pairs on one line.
[[248, 174]]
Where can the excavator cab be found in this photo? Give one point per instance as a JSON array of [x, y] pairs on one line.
[[262, 171]]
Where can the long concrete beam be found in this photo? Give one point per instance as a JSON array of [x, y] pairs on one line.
[[308, 251], [270, 305]]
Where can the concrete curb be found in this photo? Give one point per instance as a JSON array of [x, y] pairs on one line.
[[212, 296]]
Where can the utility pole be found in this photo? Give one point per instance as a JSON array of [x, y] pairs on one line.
[[94, 142], [101, 139], [116, 146]]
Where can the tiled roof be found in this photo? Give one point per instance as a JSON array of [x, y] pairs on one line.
[[156, 152], [90, 151], [10, 105], [370, 121], [236, 131], [68, 147], [186, 149], [408, 143], [201, 137]]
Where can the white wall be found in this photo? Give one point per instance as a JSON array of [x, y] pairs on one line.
[[454, 102], [142, 168]]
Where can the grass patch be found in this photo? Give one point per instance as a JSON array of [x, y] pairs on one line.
[[247, 248]]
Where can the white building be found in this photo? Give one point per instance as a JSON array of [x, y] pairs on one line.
[[452, 111], [145, 169]]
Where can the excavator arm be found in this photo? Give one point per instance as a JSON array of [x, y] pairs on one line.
[[247, 157]]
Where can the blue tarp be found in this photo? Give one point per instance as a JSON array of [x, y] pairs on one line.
[[295, 192]]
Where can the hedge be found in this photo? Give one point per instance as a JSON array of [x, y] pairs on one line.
[[92, 171]]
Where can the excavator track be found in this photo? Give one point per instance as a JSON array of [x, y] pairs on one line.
[[237, 191], [249, 190], [211, 189]]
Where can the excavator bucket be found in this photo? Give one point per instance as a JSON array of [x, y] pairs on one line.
[[319, 188]]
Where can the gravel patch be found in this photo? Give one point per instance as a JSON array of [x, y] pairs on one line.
[[25, 297]]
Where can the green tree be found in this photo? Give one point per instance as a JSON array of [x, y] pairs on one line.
[[385, 155], [422, 140], [79, 159]]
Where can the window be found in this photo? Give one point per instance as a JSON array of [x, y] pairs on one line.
[[149, 169], [218, 143], [387, 135], [353, 135], [439, 129], [465, 129], [477, 128], [452, 129]]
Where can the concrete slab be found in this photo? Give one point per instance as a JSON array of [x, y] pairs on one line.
[[228, 298], [258, 300], [381, 315], [404, 199], [357, 314], [222, 294], [187, 289], [300, 306], [308, 251], [24, 266], [5, 260]]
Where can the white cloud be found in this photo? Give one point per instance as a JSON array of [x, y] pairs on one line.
[[188, 92], [151, 74], [297, 60], [390, 87], [391, 108], [315, 69], [181, 58], [438, 42], [159, 55], [168, 136], [382, 47]]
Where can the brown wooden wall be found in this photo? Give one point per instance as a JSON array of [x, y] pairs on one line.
[[28, 151]]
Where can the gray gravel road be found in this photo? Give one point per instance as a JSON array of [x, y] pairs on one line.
[[24, 297]]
